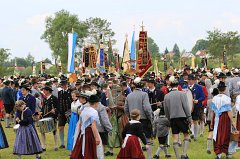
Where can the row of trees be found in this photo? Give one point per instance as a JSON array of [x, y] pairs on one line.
[[56, 28], [7, 65], [216, 41]]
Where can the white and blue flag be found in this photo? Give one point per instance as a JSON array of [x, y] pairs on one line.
[[72, 41]]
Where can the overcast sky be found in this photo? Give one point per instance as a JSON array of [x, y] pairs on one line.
[[167, 22]]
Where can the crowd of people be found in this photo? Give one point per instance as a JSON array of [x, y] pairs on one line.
[[110, 111]]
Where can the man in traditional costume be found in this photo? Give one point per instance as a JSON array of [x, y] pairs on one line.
[[65, 100], [49, 109], [155, 95], [179, 116], [198, 97]]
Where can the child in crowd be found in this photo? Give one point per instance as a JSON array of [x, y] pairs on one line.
[[131, 147], [161, 127]]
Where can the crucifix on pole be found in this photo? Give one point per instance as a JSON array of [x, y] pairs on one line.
[[142, 26]]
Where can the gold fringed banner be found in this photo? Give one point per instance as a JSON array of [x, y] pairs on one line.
[[93, 56], [144, 62]]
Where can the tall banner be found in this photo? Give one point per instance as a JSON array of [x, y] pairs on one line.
[[102, 57], [116, 61], [93, 56], [86, 57], [144, 62], [156, 67], [132, 54], [72, 41], [126, 57], [33, 68], [193, 62]]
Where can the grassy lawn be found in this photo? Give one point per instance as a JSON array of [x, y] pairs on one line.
[[197, 150]]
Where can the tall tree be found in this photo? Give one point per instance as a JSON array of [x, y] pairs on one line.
[[152, 47], [29, 59], [55, 34], [176, 50], [96, 27], [201, 44], [218, 39], [22, 62], [48, 61], [166, 51], [4, 56]]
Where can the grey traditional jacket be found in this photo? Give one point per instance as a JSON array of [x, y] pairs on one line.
[[139, 100], [105, 126], [176, 105]]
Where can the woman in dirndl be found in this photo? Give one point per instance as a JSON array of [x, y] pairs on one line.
[[27, 141], [1, 104], [222, 121], [3, 139], [237, 104], [75, 106], [89, 138], [131, 147]]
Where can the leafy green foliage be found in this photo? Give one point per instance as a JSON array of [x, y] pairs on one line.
[[201, 44], [176, 50], [166, 51], [52, 71], [26, 72], [218, 39], [4, 56], [55, 35], [96, 27], [21, 62], [48, 61]]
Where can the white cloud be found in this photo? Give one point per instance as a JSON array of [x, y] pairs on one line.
[[37, 19]]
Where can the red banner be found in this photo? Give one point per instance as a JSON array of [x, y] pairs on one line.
[[144, 61], [93, 56]]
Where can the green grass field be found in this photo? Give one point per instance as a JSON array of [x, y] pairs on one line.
[[197, 150]]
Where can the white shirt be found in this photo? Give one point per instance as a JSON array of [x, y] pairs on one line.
[[75, 106]]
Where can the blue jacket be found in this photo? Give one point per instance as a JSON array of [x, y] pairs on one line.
[[104, 99], [30, 101], [198, 94], [7, 96]]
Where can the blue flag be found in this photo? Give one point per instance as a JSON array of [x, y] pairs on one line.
[[132, 54]]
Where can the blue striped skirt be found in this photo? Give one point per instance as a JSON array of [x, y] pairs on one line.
[[27, 141]]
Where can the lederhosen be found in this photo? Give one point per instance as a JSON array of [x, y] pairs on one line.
[[65, 100]]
